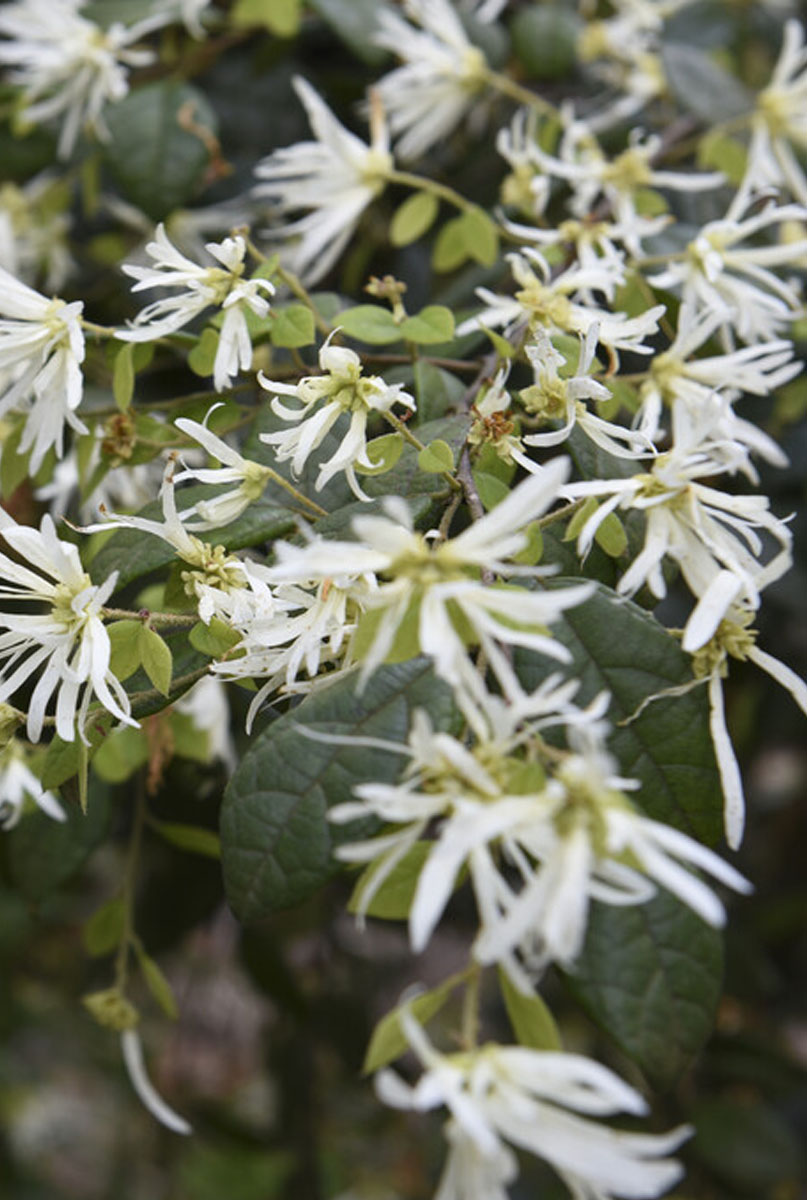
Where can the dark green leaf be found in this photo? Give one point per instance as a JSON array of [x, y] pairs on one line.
[[703, 87], [617, 646], [651, 976], [545, 39], [44, 853], [158, 148], [276, 838]]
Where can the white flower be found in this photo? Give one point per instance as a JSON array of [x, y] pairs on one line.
[[212, 575], [720, 274], [68, 67], [780, 120], [18, 782], [440, 79], [65, 648], [206, 705], [345, 391], [676, 377], [702, 528], [719, 629], [545, 301], [435, 583], [250, 477], [593, 176], [201, 287], [287, 630], [332, 180], [132, 1049], [41, 351], [539, 1101], [33, 231], [554, 398]]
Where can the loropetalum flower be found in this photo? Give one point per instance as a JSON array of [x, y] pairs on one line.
[[340, 389], [779, 122], [19, 783], [721, 628], [34, 223], [720, 274], [66, 647], [562, 824], [593, 176], [704, 530], [540, 1101], [250, 477], [555, 398], [132, 1050], [41, 352], [210, 575], [200, 287], [432, 595], [676, 377], [331, 180], [440, 80], [546, 301], [68, 67]]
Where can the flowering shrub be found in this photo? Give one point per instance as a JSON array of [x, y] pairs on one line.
[[443, 569]]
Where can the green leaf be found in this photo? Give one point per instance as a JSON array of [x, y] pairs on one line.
[[213, 639], [650, 975], [369, 323], [429, 327], [355, 22], [482, 236], [650, 203], [63, 759], [470, 235], [723, 153], [394, 898], [413, 218], [500, 344], [436, 390], [192, 838], [451, 248], [406, 478], [156, 983], [156, 659], [276, 838], [281, 17], [611, 536], [188, 740], [383, 452], [123, 753], [203, 355], [701, 86], [490, 488], [532, 1022], [13, 465], [104, 930], [617, 646], [545, 39], [124, 638], [158, 145], [292, 327], [123, 376], [43, 853], [389, 1041], [436, 457]]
